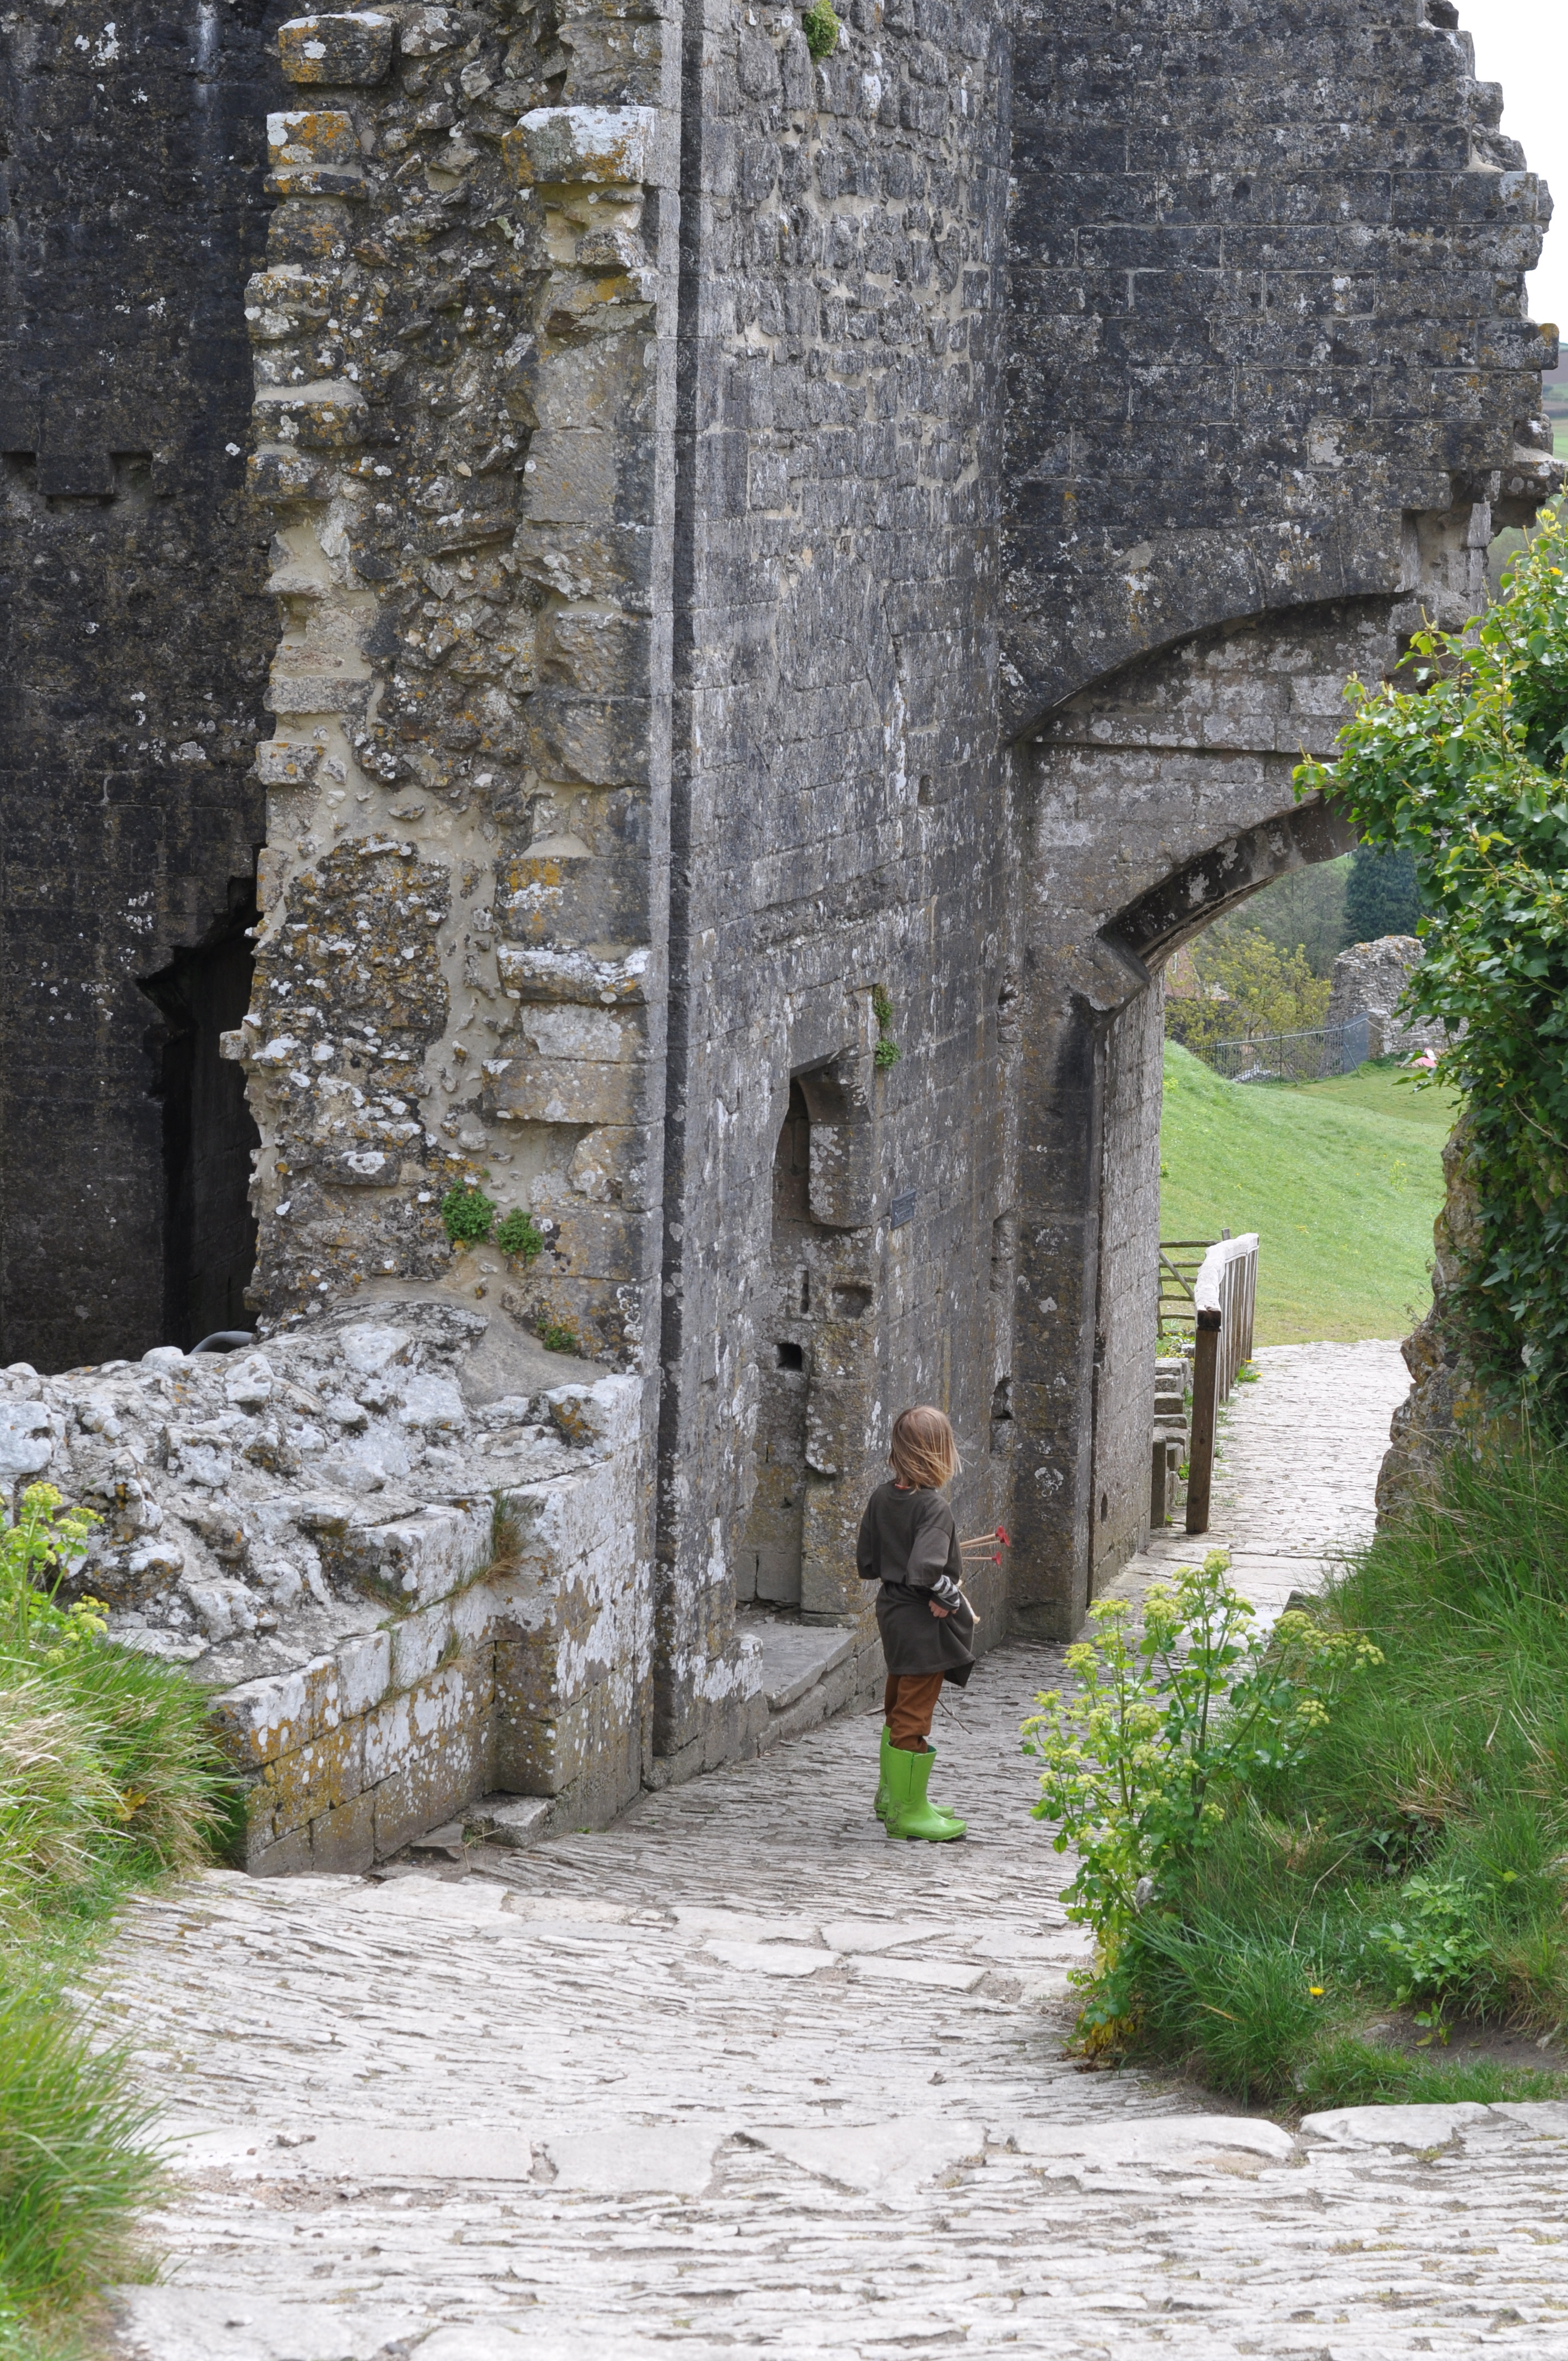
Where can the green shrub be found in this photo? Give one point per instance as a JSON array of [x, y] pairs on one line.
[[467, 1214], [1460, 766], [1172, 1717], [821, 28], [518, 1235], [556, 1336], [75, 2162], [1414, 1854], [887, 1051]]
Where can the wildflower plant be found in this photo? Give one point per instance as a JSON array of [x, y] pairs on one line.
[[37, 1552], [1172, 1715]]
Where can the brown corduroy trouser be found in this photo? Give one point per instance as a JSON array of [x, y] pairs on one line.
[[908, 1703]]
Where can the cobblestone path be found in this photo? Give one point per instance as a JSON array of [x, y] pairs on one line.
[[741, 2075]]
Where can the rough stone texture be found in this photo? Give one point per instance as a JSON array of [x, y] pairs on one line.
[[1447, 1403], [133, 651], [741, 2075], [398, 1550], [1368, 981], [801, 584]]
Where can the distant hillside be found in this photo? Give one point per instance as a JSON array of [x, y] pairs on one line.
[[1342, 1180]]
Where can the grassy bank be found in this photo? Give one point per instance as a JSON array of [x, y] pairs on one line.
[[1342, 1180], [1405, 1883], [108, 1782]]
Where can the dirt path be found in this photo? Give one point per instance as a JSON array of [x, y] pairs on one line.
[[739, 2074]]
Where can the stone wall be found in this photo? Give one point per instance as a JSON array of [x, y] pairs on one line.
[[840, 798], [801, 583], [398, 1549], [1369, 980], [134, 639]]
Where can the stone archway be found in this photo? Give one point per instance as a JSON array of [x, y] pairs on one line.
[[1153, 802]]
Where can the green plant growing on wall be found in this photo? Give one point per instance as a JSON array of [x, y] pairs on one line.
[[556, 1336], [520, 1236], [467, 1214], [1466, 770], [887, 1051], [821, 28]]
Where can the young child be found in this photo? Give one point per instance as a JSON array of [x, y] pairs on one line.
[[909, 1543]]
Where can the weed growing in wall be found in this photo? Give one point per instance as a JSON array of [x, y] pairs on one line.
[[821, 28], [518, 1235], [887, 1051], [1465, 767], [467, 1214]]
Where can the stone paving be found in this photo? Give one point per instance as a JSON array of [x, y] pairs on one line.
[[741, 2075]]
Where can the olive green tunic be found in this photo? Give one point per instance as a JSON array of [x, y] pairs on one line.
[[909, 1543]]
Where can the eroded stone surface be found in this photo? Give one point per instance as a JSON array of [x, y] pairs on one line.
[[399, 1547]]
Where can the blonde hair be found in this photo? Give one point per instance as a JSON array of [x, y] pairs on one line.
[[924, 1454]]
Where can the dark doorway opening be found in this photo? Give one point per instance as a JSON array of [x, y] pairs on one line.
[[209, 1233]]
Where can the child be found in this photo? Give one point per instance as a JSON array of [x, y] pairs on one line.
[[909, 1543]]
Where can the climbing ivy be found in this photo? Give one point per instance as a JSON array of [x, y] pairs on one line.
[[1464, 767]]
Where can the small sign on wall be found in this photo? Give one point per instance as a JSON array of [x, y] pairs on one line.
[[902, 1210]]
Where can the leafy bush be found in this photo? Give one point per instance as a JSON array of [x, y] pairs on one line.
[[1409, 1850], [1463, 769], [556, 1336], [467, 1214], [1170, 1718], [520, 1236], [1266, 989]]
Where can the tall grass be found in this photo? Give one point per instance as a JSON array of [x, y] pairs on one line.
[[108, 1781], [1419, 1860]]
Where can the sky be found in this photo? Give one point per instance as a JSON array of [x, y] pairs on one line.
[[1523, 44]]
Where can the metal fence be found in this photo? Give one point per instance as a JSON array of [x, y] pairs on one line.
[[1291, 1057]]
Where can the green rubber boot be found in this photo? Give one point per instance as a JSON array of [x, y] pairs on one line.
[[909, 1814]]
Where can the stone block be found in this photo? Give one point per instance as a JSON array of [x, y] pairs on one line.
[[434, 1783], [417, 1644], [315, 153], [289, 1856], [341, 50], [325, 1771], [571, 144], [342, 1841]]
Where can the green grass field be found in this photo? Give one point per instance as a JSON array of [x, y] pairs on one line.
[[1342, 1180]]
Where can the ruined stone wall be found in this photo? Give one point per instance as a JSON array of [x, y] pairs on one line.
[[840, 798], [799, 583], [398, 1549], [134, 640], [1271, 390], [1267, 313], [1126, 1316]]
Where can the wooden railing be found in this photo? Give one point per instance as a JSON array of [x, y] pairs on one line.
[[1181, 1260], [1224, 1294]]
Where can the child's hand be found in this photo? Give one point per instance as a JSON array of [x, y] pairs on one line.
[[937, 1612]]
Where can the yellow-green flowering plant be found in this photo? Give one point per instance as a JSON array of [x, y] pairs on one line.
[[38, 1551], [1176, 1706]]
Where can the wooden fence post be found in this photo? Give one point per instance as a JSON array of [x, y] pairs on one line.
[[1205, 1392]]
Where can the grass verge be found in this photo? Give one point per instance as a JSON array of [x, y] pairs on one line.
[[109, 1781], [1341, 1180], [1416, 1866]]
